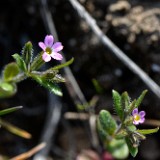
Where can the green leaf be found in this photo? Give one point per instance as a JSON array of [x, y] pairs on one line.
[[148, 131], [131, 128], [107, 123], [104, 136], [48, 85], [132, 106], [20, 62], [118, 148], [118, 104], [7, 89], [133, 150], [125, 101], [97, 86], [27, 53], [10, 71], [140, 99], [9, 110], [38, 62], [63, 64]]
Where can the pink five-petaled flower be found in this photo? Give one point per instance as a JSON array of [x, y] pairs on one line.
[[50, 49], [138, 117]]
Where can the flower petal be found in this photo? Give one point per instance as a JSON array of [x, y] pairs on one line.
[[46, 57], [56, 56], [48, 41], [57, 46], [42, 45], [142, 120], [135, 111], [136, 122], [142, 113]]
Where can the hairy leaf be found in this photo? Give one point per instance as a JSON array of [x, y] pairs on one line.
[[118, 148], [125, 101], [27, 53], [148, 131], [10, 71], [63, 64], [107, 123], [133, 150], [140, 99], [118, 104], [7, 89], [20, 62], [49, 85]]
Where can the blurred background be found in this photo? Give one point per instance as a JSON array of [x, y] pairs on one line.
[[133, 25]]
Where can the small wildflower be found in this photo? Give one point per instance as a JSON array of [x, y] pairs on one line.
[[50, 49], [138, 117]]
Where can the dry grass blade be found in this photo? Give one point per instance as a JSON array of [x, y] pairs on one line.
[[15, 130], [30, 153]]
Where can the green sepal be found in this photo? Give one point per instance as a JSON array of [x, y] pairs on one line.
[[27, 53], [10, 71], [131, 128], [133, 150], [9, 110], [123, 133], [118, 104], [52, 76], [107, 123], [118, 148], [20, 62], [48, 85], [140, 99], [147, 131], [63, 64], [7, 89]]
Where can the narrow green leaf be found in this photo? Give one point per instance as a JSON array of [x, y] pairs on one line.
[[7, 89], [132, 106], [125, 101], [140, 99], [63, 64], [107, 122], [9, 110], [20, 62], [49, 85], [10, 71], [97, 86], [118, 148], [133, 150], [118, 104], [38, 62], [148, 131], [27, 53]]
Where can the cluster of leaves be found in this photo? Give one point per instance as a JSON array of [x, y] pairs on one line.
[[27, 66], [123, 137]]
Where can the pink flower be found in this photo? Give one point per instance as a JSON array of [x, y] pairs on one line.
[[138, 117], [50, 49]]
